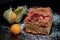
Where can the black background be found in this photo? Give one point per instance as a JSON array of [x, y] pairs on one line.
[[54, 4]]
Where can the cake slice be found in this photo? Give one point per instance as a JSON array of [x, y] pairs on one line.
[[39, 20]]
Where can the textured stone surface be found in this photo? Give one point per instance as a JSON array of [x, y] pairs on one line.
[[55, 33]]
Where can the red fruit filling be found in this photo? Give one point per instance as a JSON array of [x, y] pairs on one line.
[[34, 16]]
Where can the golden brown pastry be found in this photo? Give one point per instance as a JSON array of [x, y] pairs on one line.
[[39, 20]]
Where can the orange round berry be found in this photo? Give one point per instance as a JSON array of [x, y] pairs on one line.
[[14, 16], [15, 29]]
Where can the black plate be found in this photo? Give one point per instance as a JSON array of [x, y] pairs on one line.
[[4, 25]]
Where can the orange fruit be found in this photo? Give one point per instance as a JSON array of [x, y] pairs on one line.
[[15, 29], [14, 16]]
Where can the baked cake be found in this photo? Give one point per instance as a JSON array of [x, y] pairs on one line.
[[39, 20]]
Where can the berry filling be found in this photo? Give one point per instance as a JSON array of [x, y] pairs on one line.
[[35, 16]]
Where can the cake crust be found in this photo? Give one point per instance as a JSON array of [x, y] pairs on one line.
[[39, 20]]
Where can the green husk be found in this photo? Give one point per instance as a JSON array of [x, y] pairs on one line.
[[20, 11], [8, 15]]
